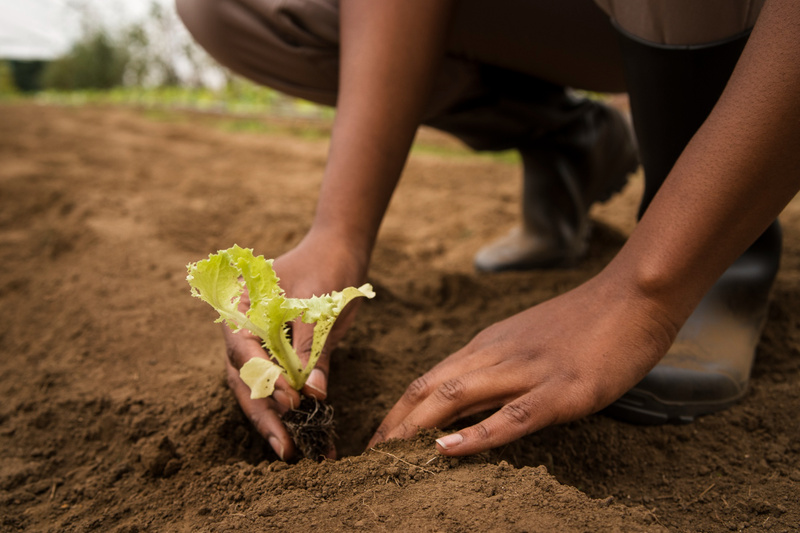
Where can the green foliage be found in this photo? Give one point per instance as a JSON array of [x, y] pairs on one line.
[[94, 62], [7, 86], [237, 102], [220, 281], [27, 74]]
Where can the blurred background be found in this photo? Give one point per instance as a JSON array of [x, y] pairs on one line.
[[135, 52]]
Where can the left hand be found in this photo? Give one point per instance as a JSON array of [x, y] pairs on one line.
[[555, 362]]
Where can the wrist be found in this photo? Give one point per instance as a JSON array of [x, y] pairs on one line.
[[340, 247], [650, 291]]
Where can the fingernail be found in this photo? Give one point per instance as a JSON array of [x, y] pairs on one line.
[[316, 380], [283, 398], [450, 440], [277, 446]]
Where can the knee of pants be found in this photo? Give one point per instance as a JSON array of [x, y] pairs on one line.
[[290, 46], [206, 21]]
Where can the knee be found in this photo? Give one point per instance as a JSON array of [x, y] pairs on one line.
[[219, 24], [228, 30], [291, 46], [207, 21]]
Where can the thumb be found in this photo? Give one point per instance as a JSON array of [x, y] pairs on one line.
[[317, 383]]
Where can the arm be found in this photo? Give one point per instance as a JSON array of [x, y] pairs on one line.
[[735, 176], [389, 53], [576, 353]]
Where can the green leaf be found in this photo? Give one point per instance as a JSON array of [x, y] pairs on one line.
[[216, 281], [260, 375], [325, 318]]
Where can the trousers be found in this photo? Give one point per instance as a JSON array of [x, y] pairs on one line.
[[502, 83]]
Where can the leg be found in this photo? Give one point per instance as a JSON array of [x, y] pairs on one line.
[[672, 89], [294, 50], [492, 93], [574, 151], [292, 46]]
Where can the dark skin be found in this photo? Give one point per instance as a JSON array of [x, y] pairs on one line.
[[577, 353]]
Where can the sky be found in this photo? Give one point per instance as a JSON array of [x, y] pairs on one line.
[[44, 29]]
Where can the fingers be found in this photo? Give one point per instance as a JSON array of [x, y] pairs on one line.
[[451, 391], [527, 402], [317, 383], [529, 408], [458, 364], [242, 346], [263, 413], [303, 334], [514, 420], [438, 405]]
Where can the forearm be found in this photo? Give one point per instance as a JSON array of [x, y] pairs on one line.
[[733, 179], [389, 52]]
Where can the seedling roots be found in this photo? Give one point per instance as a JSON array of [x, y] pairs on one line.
[[311, 427]]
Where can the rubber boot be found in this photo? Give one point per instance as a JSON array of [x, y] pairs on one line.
[[565, 172], [672, 90]]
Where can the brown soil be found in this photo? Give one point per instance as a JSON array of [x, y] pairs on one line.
[[114, 415]]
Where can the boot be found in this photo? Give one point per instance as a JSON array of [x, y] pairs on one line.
[[672, 90], [565, 172]]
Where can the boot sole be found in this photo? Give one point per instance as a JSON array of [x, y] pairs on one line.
[[644, 408]]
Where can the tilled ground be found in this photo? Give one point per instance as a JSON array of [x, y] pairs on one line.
[[114, 415]]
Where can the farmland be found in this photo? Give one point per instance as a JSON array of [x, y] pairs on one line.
[[114, 414]]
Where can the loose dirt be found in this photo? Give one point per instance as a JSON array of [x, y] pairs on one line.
[[113, 411]]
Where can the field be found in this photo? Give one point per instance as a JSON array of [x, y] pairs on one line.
[[114, 415]]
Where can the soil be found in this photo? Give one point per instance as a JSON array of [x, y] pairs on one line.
[[114, 415]]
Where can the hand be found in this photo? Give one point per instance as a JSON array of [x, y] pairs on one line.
[[300, 277], [561, 360]]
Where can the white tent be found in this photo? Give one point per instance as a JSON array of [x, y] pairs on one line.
[[33, 29]]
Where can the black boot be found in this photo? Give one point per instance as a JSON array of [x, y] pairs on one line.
[[564, 173], [672, 90], [574, 152]]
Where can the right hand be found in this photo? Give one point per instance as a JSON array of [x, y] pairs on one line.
[[301, 275]]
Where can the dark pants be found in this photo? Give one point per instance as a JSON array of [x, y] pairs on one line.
[[508, 61], [501, 85]]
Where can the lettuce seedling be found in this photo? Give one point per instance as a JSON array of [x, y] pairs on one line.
[[220, 281]]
